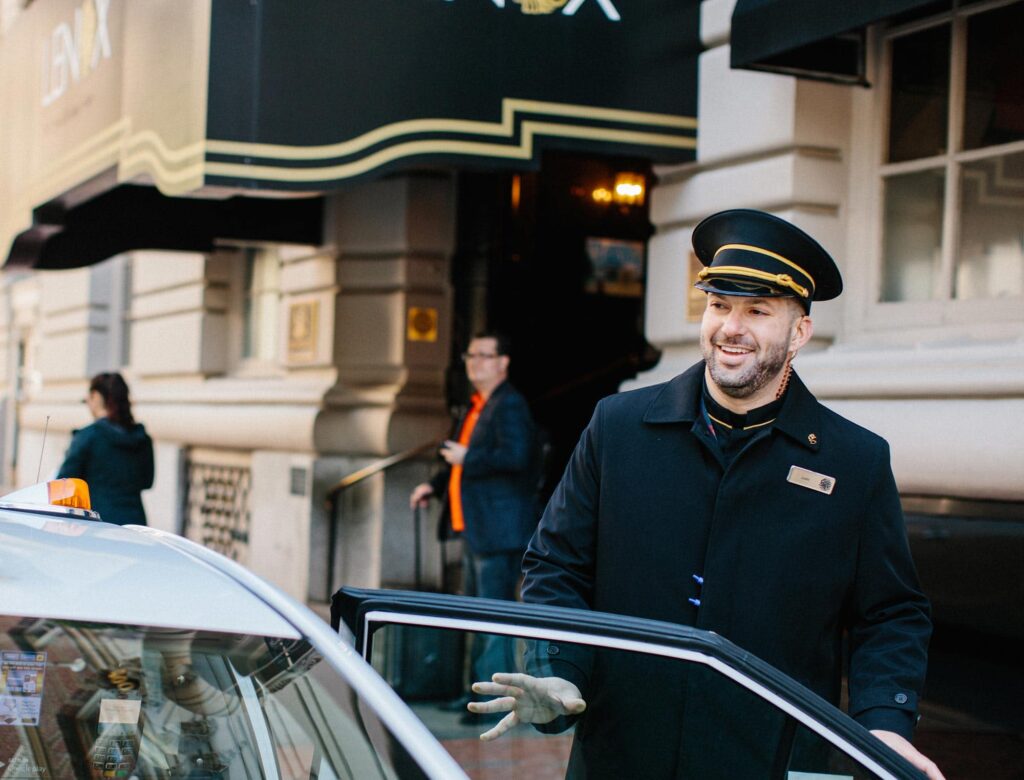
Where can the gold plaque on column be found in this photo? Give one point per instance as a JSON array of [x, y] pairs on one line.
[[421, 324], [696, 300], [303, 324]]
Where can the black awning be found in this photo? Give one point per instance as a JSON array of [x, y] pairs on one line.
[[134, 217], [304, 96], [809, 38], [299, 98]]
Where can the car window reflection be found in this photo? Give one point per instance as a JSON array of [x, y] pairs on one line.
[[82, 700], [646, 715]]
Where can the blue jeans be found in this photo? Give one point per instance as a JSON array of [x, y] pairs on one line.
[[491, 577]]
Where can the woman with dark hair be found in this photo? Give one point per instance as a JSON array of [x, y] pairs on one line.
[[114, 454]]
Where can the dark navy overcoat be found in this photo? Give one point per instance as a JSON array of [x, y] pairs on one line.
[[117, 463], [645, 503], [499, 476]]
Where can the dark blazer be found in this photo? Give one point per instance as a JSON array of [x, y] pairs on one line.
[[499, 476], [118, 465], [645, 503]]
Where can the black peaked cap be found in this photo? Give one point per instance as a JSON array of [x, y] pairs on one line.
[[752, 253]]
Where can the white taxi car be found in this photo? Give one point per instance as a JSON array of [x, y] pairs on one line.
[[127, 652]]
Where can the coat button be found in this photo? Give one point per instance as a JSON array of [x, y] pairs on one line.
[[553, 650], [901, 698]]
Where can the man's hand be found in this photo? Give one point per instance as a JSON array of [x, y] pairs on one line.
[[453, 452], [526, 699], [420, 495], [909, 752]]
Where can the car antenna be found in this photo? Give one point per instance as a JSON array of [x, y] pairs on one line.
[[42, 448]]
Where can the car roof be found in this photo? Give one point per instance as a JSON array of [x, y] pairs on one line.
[[54, 565]]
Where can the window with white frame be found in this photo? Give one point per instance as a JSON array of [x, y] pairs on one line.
[[261, 297], [952, 173]]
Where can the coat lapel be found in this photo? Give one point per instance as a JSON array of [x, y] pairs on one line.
[[487, 412], [677, 400]]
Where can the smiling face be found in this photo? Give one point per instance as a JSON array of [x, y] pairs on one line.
[[746, 342]]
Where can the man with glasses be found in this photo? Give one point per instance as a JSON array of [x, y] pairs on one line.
[[489, 485]]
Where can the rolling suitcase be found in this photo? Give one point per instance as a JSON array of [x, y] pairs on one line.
[[424, 664]]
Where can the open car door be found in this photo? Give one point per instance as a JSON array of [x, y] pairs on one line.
[[663, 700]]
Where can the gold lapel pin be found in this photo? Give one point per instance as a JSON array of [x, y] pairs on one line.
[[812, 438]]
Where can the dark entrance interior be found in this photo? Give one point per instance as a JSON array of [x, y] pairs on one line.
[[556, 259]]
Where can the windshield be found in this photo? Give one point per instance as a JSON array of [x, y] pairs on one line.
[[85, 700]]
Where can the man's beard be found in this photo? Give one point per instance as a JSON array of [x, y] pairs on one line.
[[750, 379]]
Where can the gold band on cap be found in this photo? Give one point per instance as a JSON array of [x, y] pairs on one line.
[[767, 253], [780, 280]]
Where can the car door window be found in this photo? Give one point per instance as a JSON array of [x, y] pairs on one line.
[[652, 711]]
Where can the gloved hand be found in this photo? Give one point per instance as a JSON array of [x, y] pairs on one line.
[[526, 699]]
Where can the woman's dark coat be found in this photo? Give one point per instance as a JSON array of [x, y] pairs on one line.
[[118, 465], [645, 503], [499, 476]]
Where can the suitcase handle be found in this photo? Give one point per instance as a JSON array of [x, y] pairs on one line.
[[417, 544]]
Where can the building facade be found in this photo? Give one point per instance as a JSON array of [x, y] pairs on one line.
[[911, 174], [269, 366]]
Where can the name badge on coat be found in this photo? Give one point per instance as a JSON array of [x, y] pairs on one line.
[[811, 480]]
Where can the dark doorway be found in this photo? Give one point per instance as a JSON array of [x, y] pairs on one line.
[[556, 259]]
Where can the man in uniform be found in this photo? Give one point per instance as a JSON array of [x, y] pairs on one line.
[[728, 499]]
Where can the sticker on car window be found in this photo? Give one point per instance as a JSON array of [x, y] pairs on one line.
[[21, 687], [125, 711]]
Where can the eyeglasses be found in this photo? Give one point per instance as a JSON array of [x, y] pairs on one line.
[[467, 356]]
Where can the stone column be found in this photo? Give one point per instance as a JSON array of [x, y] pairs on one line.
[[393, 240], [179, 299], [179, 313]]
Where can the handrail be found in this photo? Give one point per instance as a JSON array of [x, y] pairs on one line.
[[331, 502], [375, 468]]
